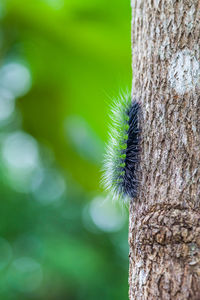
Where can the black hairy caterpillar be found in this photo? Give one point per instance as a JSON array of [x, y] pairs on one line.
[[123, 149]]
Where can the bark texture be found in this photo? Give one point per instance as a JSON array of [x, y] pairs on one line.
[[164, 232]]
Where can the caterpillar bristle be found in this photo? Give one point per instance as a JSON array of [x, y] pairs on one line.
[[123, 150]]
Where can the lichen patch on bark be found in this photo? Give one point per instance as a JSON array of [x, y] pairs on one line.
[[184, 72]]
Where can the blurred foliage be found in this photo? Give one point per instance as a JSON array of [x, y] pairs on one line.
[[61, 63]]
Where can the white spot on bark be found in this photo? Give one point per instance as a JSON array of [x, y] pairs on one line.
[[194, 128], [139, 273], [184, 139], [164, 50], [184, 72], [142, 278], [189, 19], [178, 179], [139, 264]]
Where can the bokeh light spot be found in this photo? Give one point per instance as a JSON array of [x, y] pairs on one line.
[[26, 274], [20, 151], [105, 215], [16, 78], [7, 104], [56, 4], [48, 186]]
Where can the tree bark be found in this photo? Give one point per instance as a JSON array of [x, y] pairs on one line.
[[164, 231]]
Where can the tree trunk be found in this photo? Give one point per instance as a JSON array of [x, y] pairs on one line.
[[164, 232]]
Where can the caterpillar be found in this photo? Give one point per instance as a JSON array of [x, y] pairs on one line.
[[121, 160]]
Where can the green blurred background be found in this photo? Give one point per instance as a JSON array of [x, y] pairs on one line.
[[61, 64]]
